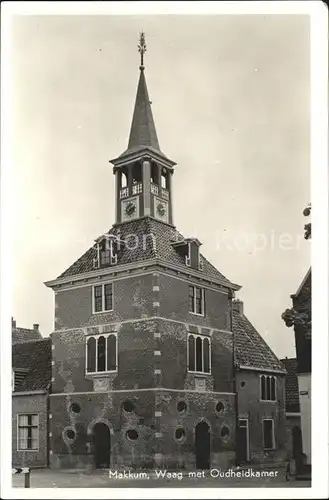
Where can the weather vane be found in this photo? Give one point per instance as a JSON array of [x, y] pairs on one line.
[[142, 48]]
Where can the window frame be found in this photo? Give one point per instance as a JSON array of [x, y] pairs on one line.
[[270, 419], [96, 337], [260, 387], [18, 427], [103, 297], [195, 287], [203, 337]]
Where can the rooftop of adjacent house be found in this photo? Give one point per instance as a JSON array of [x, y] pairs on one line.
[[292, 390], [32, 363], [152, 239], [24, 334], [250, 347]]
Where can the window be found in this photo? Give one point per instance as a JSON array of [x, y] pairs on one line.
[[12, 380], [198, 353], [267, 388], [268, 434], [196, 300], [102, 298], [101, 353], [28, 432]]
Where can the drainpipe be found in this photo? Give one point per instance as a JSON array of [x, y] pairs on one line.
[[234, 375]]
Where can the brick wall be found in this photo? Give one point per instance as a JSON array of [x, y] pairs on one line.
[[34, 403], [132, 299], [250, 407], [135, 358], [174, 303]]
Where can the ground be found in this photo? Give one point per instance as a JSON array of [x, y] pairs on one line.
[[48, 478]]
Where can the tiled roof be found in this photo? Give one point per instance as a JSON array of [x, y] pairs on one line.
[[145, 238], [35, 357], [250, 347], [24, 335], [292, 390]]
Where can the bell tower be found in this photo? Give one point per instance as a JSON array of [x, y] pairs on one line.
[[143, 173]]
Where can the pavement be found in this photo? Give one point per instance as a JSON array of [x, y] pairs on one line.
[[65, 478]]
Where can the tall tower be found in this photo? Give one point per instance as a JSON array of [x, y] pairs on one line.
[[143, 173], [142, 358]]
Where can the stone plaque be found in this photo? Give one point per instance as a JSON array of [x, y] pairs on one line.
[[101, 384], [200, 384]]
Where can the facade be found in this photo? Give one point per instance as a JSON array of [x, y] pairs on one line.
[[293, 415], [300, 318], [31, 366], [260, 389], [142, 351]]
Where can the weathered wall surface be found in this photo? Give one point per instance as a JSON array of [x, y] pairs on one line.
[[33, 403], [251, 407]]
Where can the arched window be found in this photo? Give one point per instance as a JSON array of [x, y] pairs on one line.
[[154, 173], [164, 178], [137, 173], [101, 354], [206, 346], [198, 350], [111, 352], [273, 389], [263, 387], [91, 355], [191, 353], [268, 388], [123, 180]]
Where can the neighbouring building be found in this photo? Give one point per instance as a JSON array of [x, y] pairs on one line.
[[31, 381], [142, 359], [299, 316], [24, 334], [294, 432]]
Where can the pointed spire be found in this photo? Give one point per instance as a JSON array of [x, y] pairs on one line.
[[142, 132]]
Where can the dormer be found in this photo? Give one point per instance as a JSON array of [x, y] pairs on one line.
[[106, 251], [190, 249]]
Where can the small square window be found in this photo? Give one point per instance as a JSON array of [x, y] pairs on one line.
[[102, 298]]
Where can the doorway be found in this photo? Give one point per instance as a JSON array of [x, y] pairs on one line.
[[243, 441], [202, 446], [297, 445], [101, 445]]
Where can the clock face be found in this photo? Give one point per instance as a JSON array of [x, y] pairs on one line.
[[161, 209], [129, 209]]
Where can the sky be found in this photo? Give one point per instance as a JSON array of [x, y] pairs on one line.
[[231, 102]]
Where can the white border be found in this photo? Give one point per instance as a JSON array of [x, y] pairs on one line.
[[319, 161]]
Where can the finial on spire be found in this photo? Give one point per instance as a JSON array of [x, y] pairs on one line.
[[142, 48]]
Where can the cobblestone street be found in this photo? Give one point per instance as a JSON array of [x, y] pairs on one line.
[[46, 478]]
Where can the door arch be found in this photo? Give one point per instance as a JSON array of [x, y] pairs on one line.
[[101, 439], [202, 445]]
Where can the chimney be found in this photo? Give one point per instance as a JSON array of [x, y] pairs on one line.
[[238, 306], [36, 327], [13, 322]]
